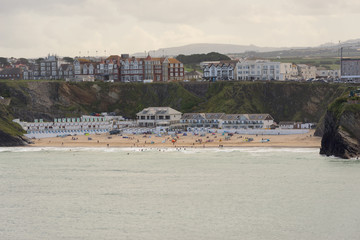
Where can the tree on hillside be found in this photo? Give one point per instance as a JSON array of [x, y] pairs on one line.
[[4, 62], [39, 60], [197, 58], [68, 59], [22, 61]]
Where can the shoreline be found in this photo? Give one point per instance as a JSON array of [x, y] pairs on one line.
[[217, 141], [167, 147]]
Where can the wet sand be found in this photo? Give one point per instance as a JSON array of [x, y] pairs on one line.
[[209, 140]]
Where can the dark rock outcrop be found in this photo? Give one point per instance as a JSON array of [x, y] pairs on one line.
[[7, 140], [341, 137]]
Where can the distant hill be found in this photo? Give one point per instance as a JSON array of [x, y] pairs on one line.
[[203, 48], [350, 48]]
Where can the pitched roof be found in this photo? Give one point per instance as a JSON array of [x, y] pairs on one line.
[[82, 60], [250, 117], [158, 110], [12, 71], [235, 117], [202, 116], [173, 60], [264, 116], [63, 67]]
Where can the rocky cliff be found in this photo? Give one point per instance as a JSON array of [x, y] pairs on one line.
[[341, 137], [10, 132], [7, 140], [284, 101]]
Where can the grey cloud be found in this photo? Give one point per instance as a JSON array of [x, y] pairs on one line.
[[37, 27]]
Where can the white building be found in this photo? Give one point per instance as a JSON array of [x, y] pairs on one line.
[[295, 125], [306, 71], [201, 120], [219, 71], [246, 121], [325, 73], [72, 126], [226, 121], [289, 70], [158, 116], [260, 70]]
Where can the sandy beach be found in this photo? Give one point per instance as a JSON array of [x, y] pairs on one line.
[[208, 140]]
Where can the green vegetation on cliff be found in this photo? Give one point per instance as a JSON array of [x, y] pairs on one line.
[[284, 101], [7, 125], [341, 132], [345, 104]]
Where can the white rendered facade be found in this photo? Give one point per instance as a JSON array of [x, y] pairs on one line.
[[259, 70], [158, 116], [324, 73], [72, 126]]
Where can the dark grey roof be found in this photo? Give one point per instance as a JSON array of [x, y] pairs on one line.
[[202, 116], [11, 71]]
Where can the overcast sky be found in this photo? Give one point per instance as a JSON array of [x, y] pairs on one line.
[[34, 28]]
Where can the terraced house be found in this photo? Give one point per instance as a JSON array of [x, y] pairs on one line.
[[226, 121], [246, 121], [131, 69], [11, 73], [84, 69], [109, 69], [49, 67], [219, 71], [173, 70], [201, 120]]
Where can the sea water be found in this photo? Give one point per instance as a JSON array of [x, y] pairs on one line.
[[109, 193]]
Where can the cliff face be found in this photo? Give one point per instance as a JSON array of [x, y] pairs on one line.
[[46, 100], [7, 140], [341, 136], [284, 101], [10, 132]]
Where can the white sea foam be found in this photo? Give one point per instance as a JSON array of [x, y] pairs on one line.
[[183, 150]]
